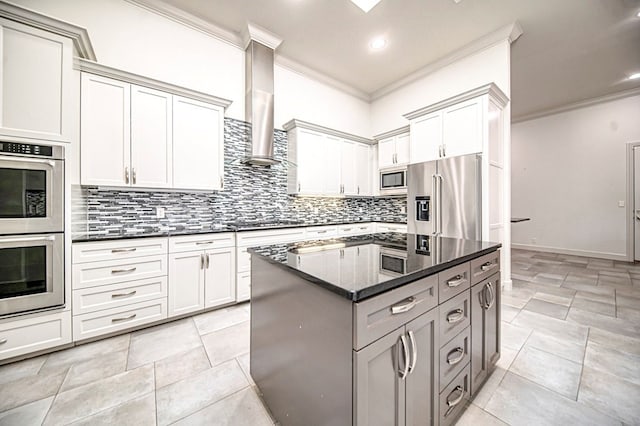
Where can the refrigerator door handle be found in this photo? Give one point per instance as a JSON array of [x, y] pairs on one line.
[[439, 203], [434, 203]]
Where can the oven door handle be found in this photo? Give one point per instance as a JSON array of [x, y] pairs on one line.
[[26, 239], [29, 160]]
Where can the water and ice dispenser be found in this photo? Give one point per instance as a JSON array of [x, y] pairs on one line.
[[423, 204]]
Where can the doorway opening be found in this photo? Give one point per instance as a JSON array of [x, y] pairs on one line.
[[633, 201]]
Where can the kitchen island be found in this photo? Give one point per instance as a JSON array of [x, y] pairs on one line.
[[374, 329]]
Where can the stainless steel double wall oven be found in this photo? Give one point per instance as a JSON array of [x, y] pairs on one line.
[[31, 227]]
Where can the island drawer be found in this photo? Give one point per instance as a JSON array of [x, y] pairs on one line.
[[455, 315], [115, 295], [484, 266], [119, 249], [114, 271], [453, 398], [454, 356], [453, 281], [379, 315]]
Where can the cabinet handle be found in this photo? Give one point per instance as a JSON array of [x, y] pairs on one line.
[[488, 266], [126, 175], [3, 341], [207, 260], [485, 297], [200, 243], [347, 229], [405, 307], [202, 261], [455, 316], [444, 150], [130, 317], [492, 296], [458, 279], [131, 293], [405, 350], [322, 232], [358, 189], [123, 271], [133, 175], [127, 250], [221, 183], [298, 187], [364, 228], [414, 351], [460, 357], [456, 401]]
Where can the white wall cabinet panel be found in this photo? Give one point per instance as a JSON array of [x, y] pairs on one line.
[[362, 169], [105, 131], [311, 155], [198, 148], [331, 168], [186, 283], [402, 149], [36, 94], [349, 169], [426, 138], [393, 151], [462, 128], [220, 274], [151, 138]]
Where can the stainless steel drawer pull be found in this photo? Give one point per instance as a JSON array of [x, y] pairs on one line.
[[456, 401], [3, 341], [405, 351], [488, 266], [207, 255], [455, 316], [492, 296], [200, 243], [347, 229], [131, 293], [127, 250], [322, 232], [364, 228], [460, 357], [456, 281], [414, 351], [130, 317], [405, 307], [123, 271]]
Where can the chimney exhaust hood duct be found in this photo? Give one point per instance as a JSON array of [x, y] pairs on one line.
[[259, 55]]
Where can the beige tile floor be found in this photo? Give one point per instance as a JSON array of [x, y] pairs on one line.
[[570, 356]]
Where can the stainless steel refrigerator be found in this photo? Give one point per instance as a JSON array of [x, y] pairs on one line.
[[444, 197]]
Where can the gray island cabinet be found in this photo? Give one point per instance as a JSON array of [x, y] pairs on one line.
[[382, 329]]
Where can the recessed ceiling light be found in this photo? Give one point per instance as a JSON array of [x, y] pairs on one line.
[[378, 43], [634, 76], [638, 14], [366, 5]]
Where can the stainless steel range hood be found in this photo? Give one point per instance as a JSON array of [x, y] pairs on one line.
[[259, 103]]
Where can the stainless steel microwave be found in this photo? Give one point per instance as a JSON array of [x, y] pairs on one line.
[[393, 181]]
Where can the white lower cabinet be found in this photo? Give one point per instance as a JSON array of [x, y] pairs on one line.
[[34, 333], [201, 279]]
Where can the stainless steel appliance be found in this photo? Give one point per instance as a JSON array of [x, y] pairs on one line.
[[393, 262], [445, 197], [31, 227], [393, 181]]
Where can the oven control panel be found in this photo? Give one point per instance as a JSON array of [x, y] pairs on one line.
[[26, 149]]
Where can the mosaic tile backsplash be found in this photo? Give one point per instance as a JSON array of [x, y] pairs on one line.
[[249, 194]]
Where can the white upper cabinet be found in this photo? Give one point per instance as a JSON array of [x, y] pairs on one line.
[[325, 164], [151, 138], [36, 98], [393, 151], [402, 149], [462, 128], [105, 131], [198, 148], [426, 137]]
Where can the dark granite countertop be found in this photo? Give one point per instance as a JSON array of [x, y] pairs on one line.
[[373, 263], [150, 232]]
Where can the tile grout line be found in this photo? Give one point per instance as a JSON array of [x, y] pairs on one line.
[[55, 396], [584, 357]]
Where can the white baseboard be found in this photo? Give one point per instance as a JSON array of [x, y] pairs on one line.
[[585, 253]]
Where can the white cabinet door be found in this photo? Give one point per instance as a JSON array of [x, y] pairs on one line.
[[402, 149], [311, 158], [105, 131], [348, 170], [220, 275], [386, 153], [362, 169], [348, 273], [36, 94], [198, 149], [186, 283], [462, 128], [330, 174], [151, 138], [426, 138]]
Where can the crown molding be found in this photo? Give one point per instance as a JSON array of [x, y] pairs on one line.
[[509, 33], [491, 89], [106, 71], [295, 123], [576, 105], [261, 35], [77, 34], [189, 20], [391, 133]]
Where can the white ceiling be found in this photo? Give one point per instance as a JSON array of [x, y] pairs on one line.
[[571, 50]]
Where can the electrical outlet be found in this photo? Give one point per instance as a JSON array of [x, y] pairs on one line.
[[160, 212], [621, 203], [534, 240]]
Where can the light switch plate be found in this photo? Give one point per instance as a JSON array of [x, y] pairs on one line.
[[621, 203]]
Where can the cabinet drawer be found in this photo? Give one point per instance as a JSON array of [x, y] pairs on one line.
[[453, 281], [115, 295], [32, 334], [455, 316], [111, 320], [258, 238], [485, 266], [120, 249], [379, 315], [116, 271], [319, 232], [454, 356], [244, 259], [454, 397], [391, 227], [355, 229], [201, 242]]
